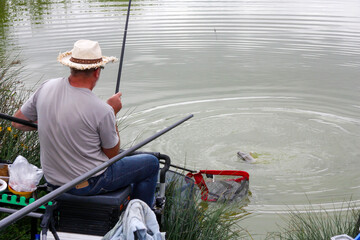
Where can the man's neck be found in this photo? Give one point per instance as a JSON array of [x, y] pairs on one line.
[[81, 82]]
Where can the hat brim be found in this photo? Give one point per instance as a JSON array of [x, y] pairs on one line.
[[64, 58]]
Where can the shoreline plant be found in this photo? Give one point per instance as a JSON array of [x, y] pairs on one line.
[[14, 142], [314, 224]]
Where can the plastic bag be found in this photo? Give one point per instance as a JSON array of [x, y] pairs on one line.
[[24, 177], [345, 237]]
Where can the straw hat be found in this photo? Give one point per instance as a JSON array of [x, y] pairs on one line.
[[86, 54]]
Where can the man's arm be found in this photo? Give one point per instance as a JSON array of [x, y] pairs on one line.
[[115, 102], [112, 152], [20, 115]]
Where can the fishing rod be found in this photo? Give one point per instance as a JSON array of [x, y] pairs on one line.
[[121, 64], [64, 188], [34, 125], [30, 124], [123, 49], [18, 120]]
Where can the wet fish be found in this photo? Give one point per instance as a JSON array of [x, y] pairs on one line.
[[246, 157]]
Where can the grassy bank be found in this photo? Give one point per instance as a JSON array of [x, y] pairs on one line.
[[315, 224], [12, 141]]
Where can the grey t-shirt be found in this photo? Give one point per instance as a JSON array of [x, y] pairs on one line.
[[73, 125]]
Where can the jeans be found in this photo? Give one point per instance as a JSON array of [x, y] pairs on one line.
[[140, 171]]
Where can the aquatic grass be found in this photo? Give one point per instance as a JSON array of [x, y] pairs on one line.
[[185, 217], [122, 122], [314, 224], [14, 142]]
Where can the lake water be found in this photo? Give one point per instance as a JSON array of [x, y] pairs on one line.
[[279, 78]]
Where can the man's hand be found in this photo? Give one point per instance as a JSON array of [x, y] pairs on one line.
[[115, 102]]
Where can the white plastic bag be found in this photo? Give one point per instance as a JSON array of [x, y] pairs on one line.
[[23, 176], [342, 237]]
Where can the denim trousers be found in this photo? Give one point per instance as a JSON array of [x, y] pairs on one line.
[[140, 171]]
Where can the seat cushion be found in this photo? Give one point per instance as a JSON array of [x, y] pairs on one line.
[[115, 198]]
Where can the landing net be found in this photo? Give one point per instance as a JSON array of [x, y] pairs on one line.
[[221, 185]]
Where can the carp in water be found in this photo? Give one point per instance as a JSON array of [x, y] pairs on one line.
[[246, 157]]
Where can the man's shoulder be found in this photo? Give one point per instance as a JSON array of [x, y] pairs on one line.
[[95, 104], [51, 83], [100, 104], [54, 80]]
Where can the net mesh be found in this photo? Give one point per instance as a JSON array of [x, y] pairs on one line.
[[227, 190]]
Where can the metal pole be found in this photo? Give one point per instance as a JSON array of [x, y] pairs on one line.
[[35, 205], [18, 120], [32, 214], [123, 49]]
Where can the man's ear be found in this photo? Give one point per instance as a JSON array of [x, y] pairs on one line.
[[97, 72]]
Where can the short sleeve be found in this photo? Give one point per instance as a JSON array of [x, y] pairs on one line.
[[29, 107], [107, 130]]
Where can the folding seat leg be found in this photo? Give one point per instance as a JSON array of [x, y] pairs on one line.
[[48, 222]]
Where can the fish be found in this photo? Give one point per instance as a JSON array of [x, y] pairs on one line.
[[246, 157]]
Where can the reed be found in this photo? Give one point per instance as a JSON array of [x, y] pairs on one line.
[[12, 141], [314, 224]]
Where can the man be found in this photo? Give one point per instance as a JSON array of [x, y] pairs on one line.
[[77, 131]]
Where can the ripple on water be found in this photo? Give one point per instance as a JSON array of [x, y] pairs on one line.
[[307, 146], [303, 154]]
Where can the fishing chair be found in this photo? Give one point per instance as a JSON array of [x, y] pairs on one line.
[[98, 214], [90, 215]]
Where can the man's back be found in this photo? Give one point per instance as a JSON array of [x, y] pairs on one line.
[[73, 126], [78, 131]]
